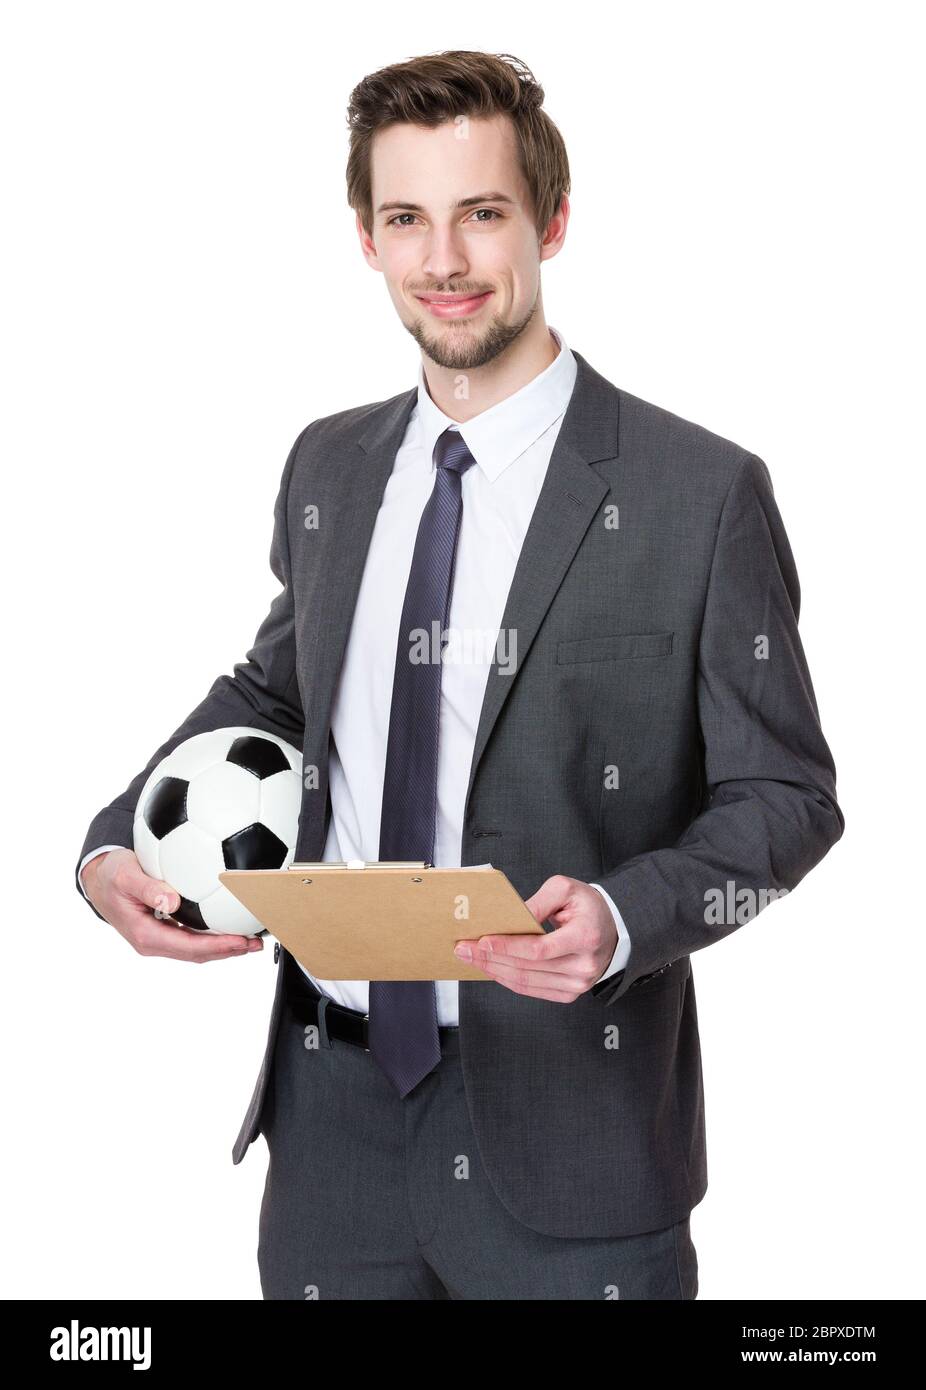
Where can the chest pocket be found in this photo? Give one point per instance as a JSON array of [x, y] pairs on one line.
[[617, 646]]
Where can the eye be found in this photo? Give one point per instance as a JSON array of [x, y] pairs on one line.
[[481, 215]]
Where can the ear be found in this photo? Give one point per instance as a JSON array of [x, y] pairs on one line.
[[367, 246], [552, 240]]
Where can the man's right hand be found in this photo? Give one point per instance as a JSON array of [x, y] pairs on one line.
[[122, 892]]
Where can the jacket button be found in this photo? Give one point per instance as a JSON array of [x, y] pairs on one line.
[[276, 952]]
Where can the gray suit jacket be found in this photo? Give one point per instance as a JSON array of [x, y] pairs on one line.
[[659, 736]]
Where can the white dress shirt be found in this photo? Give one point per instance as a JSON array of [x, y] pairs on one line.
[[511, 443]]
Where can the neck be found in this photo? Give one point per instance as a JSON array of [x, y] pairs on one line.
[[529, 355]]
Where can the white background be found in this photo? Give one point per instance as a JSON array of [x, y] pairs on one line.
[[183, 292]]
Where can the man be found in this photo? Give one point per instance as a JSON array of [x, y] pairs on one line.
[[638, 749]]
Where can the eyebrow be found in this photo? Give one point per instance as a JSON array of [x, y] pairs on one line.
[[463, 203]]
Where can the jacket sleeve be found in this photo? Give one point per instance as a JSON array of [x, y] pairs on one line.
[[770, 811], [261, 693]]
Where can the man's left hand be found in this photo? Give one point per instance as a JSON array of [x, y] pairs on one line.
[[561, 964]]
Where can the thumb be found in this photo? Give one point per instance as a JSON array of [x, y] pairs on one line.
[[550, 897], [165, 898], [154, 892]]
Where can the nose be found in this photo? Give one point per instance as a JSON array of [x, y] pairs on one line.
[[443, 256]]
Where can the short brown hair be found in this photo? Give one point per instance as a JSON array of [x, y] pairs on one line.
[[435, 88]]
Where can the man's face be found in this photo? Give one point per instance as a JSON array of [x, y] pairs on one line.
[[454, 234]]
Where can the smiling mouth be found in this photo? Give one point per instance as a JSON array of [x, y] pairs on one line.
[[453, 305]]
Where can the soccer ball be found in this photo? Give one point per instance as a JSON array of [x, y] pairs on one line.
[[226, 799]]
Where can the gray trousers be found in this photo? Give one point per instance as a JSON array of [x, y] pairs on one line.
[[369, 1196]]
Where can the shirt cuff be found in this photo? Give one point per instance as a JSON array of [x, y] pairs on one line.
[[86, 860], [622, 949]]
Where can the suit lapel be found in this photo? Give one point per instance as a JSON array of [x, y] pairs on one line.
[[570, 497], [357, 481]]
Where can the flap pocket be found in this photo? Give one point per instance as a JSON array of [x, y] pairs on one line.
[[675, 973], [619, 644]]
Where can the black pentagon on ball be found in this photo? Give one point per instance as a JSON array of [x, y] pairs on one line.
[[261, 756], [165, 808], [255, 847], [189, 914]]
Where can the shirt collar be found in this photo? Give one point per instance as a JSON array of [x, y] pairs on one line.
[[498, 436]]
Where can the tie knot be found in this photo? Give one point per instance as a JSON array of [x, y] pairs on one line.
[[450, 451]]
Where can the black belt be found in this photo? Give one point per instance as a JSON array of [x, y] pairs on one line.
[[347, 1025]]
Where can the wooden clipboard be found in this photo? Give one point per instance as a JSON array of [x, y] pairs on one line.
[[369, 921]]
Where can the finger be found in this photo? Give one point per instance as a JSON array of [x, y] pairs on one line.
[[133, 882], [155, 938], [206, 946], [538, 985], [567, 977], [553, 965], [554, 969], [551, 896], [552, 945]]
